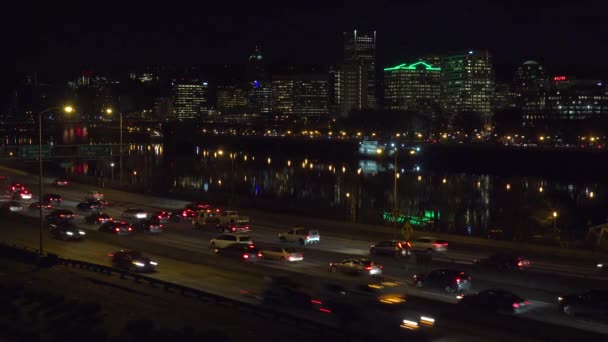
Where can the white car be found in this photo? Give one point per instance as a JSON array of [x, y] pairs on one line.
[[22, 195], [14, 206], [132, 213], [429, 244], [284, 254], [226, 240], [303, 236]]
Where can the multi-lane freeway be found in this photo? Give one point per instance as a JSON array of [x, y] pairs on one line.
[[184, 257]]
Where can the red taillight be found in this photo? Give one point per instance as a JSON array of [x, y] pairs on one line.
[[110, 219], [130, 229], [100, 219], [316, 301], [117, 229], [457, 280], [233, 228], [306, 237], [72, 215], [159, 216], [251, 245], [260, 254], [520, 264], [160, 225], [325, 310], [515, 305], [526, 303], [368, 268], [399, 245], [184, 214], [245, 256], [247, 227]]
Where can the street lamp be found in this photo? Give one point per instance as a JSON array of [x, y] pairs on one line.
[[67, 109], [109, 111]]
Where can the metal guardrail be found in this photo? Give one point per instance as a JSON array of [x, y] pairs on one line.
[[31, 255]]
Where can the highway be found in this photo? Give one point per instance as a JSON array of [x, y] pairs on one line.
[[184, 257]]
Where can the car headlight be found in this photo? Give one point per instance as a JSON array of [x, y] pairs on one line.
[[428, 321], [600, 265], [138, 264], [409, 324], [560, 298], [81, 232], [69, 233], [153, 263]]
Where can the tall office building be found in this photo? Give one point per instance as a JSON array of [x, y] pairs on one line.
[[231, 99], [353, 87], [467, 82], [504, 97], [531, 84], [163, 108], [334, 91], [260, 97], [415, 86], [303, 95], [360, 51], [189, 99], [574, 100]]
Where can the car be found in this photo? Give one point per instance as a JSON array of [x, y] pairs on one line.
[[205, 217], [391, 247], [17, 187], [494, 300], [89, 206], [22, 195], [66, 230], [93, 195], [163, 216], [225, 240], [133, 213], [183, 214], [59, 215], [117, 227], [602, 267], [13, 206], [36, 205], [429, 244], [247, 253], [303, 236], [284, 254], [133, 261], [98, 218], [61, 182], [151, 225], [593, 303], [52, 198], [449, 280], [503, 261], [234, 228], [232, 217], [356, 266]]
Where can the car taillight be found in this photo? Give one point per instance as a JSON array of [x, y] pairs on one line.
[[368, 268], [100, 219], [159, 216], [326, 310], [117, 229], [184, 214], [62, 215], [233, 228], [245, 256], [130, 229], [251, 245], [457, 280], [316, 301], [247, 227], [72, 216], [260, 254], [160, 225], [526, 303], [306, 237], [520, 264], [515, 305]]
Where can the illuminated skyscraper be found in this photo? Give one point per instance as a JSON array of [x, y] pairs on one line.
[[305, 95], [569, 99], [360, 52], [467, 82], [413, 86], [189, 99], [531, 84], [231, 99]]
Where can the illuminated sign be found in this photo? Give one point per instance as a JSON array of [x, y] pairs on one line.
[[413, 66], [559, 78]]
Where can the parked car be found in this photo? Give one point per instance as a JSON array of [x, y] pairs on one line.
[[391, 247], [225, 240], [133, 213], [284, 254], [98, 218], [22, 195], [494, 300], [133, 261], [593, 304], [36, 206], [61, 182], [52, 198], [503, 261], [59, 215], [151, 225], [303, 236], [117, 227], [449, 280], [247, 253], [429, 244], [66, 230], [356, 266]]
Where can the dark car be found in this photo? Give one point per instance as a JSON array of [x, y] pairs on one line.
[[60, 215], [448, 280], [502, 261], [52, 198], [494, 300], [392, 247], [151, 225], [117, 227], [89, 206], [17, 187], [133, 261], [98, 218], [592, 303], [186, 214], [45, 206], [163, 216], [66, 231], [22, 195], [247, 253], [61, 182]]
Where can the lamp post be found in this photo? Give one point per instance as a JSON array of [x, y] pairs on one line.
[[67, 109]]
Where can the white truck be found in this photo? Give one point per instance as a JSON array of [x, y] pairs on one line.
[[231, 217]]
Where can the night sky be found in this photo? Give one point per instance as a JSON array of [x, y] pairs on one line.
[[104, 36]]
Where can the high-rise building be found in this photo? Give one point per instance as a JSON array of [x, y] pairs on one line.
[[353, 87], [360, 51], [531, 84], [260, 97], [231, 99], [334, 91], [467, 82], [504, 97], [303, 95], [415, 86], [256, 69], [574, 100], [189, 99], [163, 108]]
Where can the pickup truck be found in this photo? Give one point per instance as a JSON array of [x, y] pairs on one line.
[[231, 217]]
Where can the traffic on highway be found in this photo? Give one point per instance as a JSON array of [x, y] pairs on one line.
[[358, 280]]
